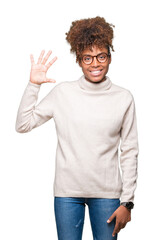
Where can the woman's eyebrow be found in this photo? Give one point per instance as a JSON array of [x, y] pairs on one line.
[[93, 55]]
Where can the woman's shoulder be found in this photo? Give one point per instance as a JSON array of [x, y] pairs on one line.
[[122, 90]]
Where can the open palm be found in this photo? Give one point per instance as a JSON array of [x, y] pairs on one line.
[[39, 70]]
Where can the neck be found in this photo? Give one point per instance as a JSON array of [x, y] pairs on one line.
[[101, 86]]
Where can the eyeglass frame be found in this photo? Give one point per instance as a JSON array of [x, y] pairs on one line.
[[108, 55]]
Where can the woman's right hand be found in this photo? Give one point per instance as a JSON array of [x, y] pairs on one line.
[[39, 70]]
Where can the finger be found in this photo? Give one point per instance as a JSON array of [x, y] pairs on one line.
[[50, 80], [40, 57], [111, 218], [116, 229], [46, 57], [50, 63], [32, 59], [124, 225]]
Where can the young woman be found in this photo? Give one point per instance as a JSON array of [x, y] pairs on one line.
[[91, 115]]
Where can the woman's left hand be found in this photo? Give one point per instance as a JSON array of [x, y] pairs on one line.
[[123, 215]]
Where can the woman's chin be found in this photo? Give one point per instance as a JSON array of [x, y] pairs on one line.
[[95, 79]]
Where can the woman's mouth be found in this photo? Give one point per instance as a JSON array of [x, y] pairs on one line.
[[96, 72]]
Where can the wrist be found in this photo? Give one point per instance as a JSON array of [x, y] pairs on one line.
[[128, 205], [34, 83]]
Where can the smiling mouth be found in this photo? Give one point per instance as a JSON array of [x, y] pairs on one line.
[[96, 72]]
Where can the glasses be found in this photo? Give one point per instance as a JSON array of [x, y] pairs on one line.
[[101, 57]]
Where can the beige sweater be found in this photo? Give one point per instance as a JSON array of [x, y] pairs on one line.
[[92, 120]]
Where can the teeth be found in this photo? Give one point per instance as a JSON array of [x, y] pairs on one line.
[[95, 71]]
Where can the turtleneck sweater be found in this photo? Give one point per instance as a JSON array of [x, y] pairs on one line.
[[94, 123]]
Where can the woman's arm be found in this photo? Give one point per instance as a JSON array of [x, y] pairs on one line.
[[29, 115], [129, 153], [128, 161]]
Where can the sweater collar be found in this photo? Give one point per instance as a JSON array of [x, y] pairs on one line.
[[95, 87]]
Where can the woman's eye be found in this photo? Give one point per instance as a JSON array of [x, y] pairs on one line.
[[102, 56], [87, 58]]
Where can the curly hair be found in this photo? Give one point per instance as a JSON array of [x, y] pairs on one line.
[[86, 33]]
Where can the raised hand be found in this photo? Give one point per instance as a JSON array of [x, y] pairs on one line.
[[39, 70]]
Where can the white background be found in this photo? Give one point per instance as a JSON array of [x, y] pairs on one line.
[[27, 160]]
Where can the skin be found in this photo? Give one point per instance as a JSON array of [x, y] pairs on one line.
[[122, 215], [88, 70], [38, 76], [39, 69]]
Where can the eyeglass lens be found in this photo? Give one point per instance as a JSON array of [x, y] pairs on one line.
[[102, 57]]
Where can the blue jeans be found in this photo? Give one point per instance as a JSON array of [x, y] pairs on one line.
[[70, 213]]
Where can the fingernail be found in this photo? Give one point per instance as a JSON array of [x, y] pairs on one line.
[[108, 221]]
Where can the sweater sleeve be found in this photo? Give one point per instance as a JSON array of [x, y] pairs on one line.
[[29, 114], [129, 153]]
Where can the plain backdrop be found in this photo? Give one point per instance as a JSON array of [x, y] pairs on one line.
[[27, 161]]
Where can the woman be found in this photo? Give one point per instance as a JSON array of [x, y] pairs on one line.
[[91, 116]]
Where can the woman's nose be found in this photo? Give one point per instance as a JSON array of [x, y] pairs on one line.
[[95, 63]]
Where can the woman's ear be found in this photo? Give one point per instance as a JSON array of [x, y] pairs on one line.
[[79, 62]]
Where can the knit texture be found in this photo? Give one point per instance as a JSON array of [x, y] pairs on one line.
[[94, 122]]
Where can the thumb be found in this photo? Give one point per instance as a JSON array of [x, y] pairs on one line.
[[50, 80], [111, 218]]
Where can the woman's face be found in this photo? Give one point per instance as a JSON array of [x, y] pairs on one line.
[[96, 71]]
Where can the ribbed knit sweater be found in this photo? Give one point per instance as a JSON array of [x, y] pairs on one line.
[[93, 122]]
